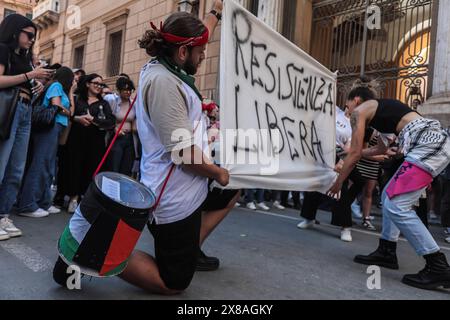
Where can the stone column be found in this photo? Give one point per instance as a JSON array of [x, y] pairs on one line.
[[438, 106], [269, 12]]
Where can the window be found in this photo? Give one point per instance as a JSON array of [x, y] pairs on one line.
[[115, 53], [289, 15], [116, 25], [78, 57], [8, 12], [254, 7]]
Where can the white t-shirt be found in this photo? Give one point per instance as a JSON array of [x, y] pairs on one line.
[[343, 128], [166, 104]]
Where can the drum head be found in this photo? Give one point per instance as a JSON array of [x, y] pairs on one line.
[[125, 191]]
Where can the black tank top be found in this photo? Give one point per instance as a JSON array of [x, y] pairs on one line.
[[388, 115]]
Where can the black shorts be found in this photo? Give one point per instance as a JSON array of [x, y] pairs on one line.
[[177, 244], [218, 199]]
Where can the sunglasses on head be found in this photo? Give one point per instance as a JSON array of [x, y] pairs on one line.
[[31, 35], [98, 84]]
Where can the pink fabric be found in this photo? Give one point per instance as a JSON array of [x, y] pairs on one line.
[[408, 179]]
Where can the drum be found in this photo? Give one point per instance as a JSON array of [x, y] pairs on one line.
[[107, 225]]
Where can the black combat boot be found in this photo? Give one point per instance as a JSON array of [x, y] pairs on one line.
[[435, 275], [384, 256]]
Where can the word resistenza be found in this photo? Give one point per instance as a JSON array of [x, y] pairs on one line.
[[293, 92]]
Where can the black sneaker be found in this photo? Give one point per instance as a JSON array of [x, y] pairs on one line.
[[384, 256], [435, 275], [59, 203], [367, 224], [205, 263]]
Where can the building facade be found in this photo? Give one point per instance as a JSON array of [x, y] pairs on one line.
[[23, 7], [101, 36], [404, 44]]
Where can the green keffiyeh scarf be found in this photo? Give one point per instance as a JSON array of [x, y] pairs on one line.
[[180, 73]]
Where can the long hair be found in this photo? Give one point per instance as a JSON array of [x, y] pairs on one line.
[[10, 30], [181, 24], [65, 76], [82, 86]]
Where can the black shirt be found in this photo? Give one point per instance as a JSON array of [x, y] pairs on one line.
[[388, 115], [81, 108], [20, 64], [368, 135]]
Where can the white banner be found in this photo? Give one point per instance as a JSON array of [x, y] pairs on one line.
[[277, 109]]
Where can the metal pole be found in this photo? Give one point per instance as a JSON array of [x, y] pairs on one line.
[[364, 44]]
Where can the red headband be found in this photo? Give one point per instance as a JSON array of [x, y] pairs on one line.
[[192, 41]]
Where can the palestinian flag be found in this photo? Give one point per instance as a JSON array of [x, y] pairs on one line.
[[102, 234]]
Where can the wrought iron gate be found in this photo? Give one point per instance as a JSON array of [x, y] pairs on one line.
[[384, 40]]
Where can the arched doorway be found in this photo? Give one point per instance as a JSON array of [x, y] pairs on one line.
[[342, 41], [413, 76]]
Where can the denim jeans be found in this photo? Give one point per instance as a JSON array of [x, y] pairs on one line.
[[427, 146], [13, 157], [399, 216], [122, 155], [36, 190], [250, 195]]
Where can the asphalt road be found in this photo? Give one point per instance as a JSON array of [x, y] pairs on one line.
[[263, 256]]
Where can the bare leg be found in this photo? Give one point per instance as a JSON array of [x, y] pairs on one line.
[[143, 272], [368, 198], [211, 219]]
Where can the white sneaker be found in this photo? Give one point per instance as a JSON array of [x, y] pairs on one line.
[[278, 205], [346, 235], [447, 240], [54, 210], [73, 205], [306, 224], [447, 231], [356, 210], [237, 205], [251, 206], [39, 213], [4, 235], [262, 206], [7, 225]]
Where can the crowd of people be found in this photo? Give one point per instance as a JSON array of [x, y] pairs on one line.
[[65, 119], [65, 152]]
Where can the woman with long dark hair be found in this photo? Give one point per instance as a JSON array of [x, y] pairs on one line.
[[17, 37], [35, 200], [86, 144]]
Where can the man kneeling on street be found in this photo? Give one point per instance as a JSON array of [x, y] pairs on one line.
[[177, 169]]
